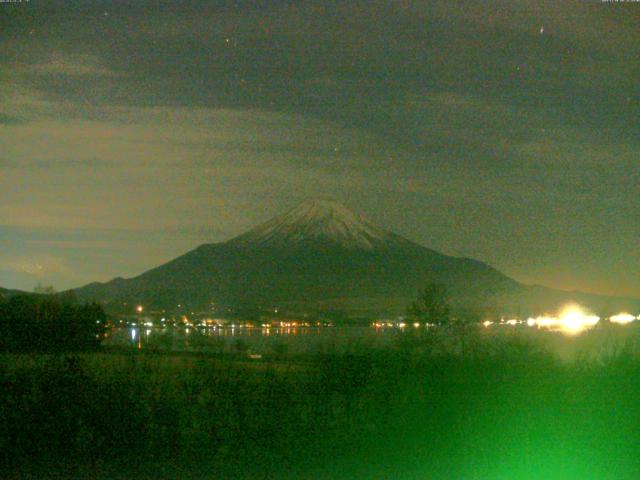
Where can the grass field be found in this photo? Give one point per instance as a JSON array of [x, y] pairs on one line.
[[501, 410]]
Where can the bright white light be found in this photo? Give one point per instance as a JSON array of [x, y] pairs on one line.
[[416, 324], [487, 323], [572, 320], [139, 309], [622, 318], [512, 322], [133, 334]]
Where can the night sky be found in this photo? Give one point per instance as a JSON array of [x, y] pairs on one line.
[[131, 132]]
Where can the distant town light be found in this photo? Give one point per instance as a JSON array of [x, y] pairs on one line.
[[139, 309], [622, 318]]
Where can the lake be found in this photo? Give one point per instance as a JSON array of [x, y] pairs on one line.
[[604, 339]]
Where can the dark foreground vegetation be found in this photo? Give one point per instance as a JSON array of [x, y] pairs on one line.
[[49, 323], [501, 410]]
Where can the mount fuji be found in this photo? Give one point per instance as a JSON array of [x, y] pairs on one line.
[[321, 256]]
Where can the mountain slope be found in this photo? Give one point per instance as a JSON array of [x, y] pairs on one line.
[[6, 293], [319, 255]]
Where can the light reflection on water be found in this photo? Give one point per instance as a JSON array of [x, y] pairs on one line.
[[290, 340], [313, 340]]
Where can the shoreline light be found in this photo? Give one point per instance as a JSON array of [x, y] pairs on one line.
[[572, 320], [622, 318]]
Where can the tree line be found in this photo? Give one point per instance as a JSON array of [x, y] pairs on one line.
[[50, 323]]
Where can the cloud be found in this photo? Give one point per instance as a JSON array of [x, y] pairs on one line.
[[458, 123], [161, 168], [72, 65], [39, 265]]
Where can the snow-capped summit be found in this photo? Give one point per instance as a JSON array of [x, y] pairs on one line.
[[319, 220]]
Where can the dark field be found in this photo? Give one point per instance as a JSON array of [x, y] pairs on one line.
[[504, 409]]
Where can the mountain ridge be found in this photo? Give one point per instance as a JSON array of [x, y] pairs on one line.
[[320, 255]]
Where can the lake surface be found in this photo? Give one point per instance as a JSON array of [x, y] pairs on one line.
[[606, 339]]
